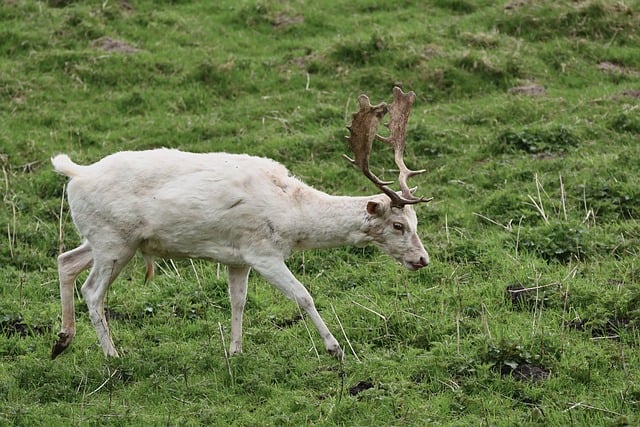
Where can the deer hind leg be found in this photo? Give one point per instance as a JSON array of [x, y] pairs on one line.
[[150, 269], [70, 264], [277, 273], [238, 280], [107, 264]]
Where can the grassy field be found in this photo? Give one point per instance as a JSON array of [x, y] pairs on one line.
[[526, 120]]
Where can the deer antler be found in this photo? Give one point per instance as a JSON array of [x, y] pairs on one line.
[[364, 126], [399, 111], [362, 132]]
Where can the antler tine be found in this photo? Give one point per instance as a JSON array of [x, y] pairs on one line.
[[399, 111]]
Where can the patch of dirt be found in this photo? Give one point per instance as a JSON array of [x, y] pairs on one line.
[[283, 20], [287, 323], [516, 4], [112, 45], [609, 328], [360, 387], [611, 68], [15, 325], [531, 90], [517, 294], [523, 297], [631, 93], [526, 372], [59, 3], [299, 62], [111, 314], [30, 167], [126, 6]]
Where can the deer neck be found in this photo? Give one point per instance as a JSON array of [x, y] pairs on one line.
[[332, 221]]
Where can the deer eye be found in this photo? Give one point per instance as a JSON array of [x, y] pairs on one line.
[[398, 226]]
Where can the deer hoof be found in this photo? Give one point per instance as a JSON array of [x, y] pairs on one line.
[[64, 339], [336, 352]]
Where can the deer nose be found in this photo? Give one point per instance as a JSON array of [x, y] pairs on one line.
[[422, 262]]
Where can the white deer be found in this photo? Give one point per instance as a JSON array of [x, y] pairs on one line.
[[242, 211]]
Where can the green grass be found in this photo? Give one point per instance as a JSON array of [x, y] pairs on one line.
[[540, 193]]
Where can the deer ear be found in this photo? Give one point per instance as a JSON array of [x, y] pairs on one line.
[[375, 208], [372, 207]]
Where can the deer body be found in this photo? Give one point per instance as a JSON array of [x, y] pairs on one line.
[[243, 211]]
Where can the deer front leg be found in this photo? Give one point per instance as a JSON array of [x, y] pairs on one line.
[[70, 264], [277, 273], [238, 279]]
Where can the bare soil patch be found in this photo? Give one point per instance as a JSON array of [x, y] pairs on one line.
[[531, 90], [112, 45], [630, 93], [360, 387], [284, 20], [15, 325], [527, 372], [516, 4], [611, 68]]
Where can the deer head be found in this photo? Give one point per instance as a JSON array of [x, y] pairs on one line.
[[363, 131]]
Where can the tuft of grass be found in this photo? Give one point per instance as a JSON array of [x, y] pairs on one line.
[[625, 123], [591, 19], [562, 242], [456, 6], [610, 200], [536, 141], [361, 53]]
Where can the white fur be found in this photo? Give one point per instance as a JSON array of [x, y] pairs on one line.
[[242, 211]]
